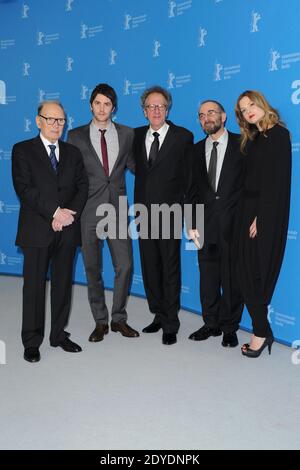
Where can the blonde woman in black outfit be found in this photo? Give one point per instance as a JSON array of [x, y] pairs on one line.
[[264, 211]]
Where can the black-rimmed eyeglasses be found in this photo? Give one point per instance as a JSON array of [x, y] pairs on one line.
[[51, 120]]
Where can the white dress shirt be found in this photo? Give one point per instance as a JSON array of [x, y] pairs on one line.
[[112, 143], [150, 138], [47, 143], [221, 149]]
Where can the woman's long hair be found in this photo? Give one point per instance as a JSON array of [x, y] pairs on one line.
[[270, 118]]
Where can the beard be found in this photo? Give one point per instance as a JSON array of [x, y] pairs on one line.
[[212, 127]]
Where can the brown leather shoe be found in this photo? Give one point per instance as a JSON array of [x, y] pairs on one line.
[[98, 333], [124, 329]]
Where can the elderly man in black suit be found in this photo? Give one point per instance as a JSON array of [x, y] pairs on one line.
[[161, 153], [50, 180], [217, 179]]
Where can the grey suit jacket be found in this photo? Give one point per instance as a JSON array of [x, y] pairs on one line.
[[102, 188]]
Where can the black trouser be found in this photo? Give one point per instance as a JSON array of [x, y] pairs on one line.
[[260, 322], [36, 263], [221, 300], [160, 260]]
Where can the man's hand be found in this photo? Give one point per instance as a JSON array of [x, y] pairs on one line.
[[57, 227], [253, 229], [64, 216], [194, 235]]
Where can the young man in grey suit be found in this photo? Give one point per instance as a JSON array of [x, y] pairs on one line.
[[106, 148]]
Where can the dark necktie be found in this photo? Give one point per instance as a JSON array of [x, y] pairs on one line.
[[154, 149], [52, 157], [212, 169], [104, 152]]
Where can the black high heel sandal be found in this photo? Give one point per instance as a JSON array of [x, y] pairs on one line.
[[247, 351]]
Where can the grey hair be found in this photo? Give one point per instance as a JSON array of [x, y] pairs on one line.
[[156, 89]]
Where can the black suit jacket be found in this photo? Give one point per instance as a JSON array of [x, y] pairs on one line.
[[219, 207], [166, 180], [41, 191]]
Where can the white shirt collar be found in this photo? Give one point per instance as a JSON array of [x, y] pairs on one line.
[[161, 131], [97, 127], [46, 142], [222, 139]]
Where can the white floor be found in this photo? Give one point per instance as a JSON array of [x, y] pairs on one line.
[[139, 394]]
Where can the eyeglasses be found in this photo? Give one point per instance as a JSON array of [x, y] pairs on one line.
[[210, 113], [154, 107], [51, 120]]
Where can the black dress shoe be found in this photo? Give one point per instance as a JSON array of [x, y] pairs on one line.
[[32, 354], [169, 338], [98, 333], [230, 340], [68, 346], [152, 328], [124, 329], [205, 332]]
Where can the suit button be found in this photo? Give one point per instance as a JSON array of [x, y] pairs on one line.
[[217, 197]]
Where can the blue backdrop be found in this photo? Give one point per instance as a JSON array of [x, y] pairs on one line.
[[198, 49]]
